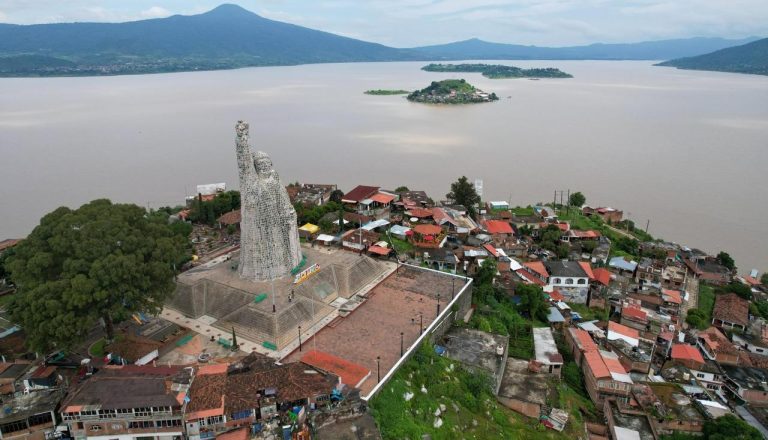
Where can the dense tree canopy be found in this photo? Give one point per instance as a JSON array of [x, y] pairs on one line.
[[764, 279], [735, 287], [532, 301], [463, 193], [726, 260], [577, 199], [209, 211], [730, 427], [101, 261], [400, 189]]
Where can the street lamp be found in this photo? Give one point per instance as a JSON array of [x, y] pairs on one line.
[[453, 288], [378, 369], [401, 344], [438, 305], [421, 322], [299, 338]]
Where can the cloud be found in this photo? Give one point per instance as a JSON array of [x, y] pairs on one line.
[[155, 12]]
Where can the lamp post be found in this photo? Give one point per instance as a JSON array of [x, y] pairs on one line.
[[378, 369], [299, 338], [401, 344], [438, 305], [421, 322], [453, 288]]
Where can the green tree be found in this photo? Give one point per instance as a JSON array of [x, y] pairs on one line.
[[4, 257], [735, 287], [532, 301], [463, 193], [487, 272], [102, 261], [698, 318], [336, 196], [400, 189], [764, 279], [726, 260], [562, 250], [577, 199], [729, 427]]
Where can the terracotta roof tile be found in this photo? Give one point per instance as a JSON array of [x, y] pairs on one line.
[[731, 308], [360, 193], [498, 227], [350, 373], [538, 267], [602, 275], [686, 352]]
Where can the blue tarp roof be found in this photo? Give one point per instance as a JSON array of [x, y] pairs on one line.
[[555, 315], [621, 263]]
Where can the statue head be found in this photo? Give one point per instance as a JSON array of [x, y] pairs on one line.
[[262, 163]]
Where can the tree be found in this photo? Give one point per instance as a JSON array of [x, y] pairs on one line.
[[464, 193], [726, 260], [487, 272], [532, 301], [102, 261], [336, 195], [697, 318], [735, 287], [729, 427], [401, 189], [562, 250], [577, 199], [764, 279]]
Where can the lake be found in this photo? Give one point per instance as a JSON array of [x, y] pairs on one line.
[[684, 150]]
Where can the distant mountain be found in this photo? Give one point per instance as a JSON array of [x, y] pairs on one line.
[[225, 37], [475, 49], [748, 58], [230, 37]]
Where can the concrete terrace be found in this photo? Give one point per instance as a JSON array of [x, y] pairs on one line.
[[400, 303]]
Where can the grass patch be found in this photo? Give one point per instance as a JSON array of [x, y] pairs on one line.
[[706, 299], [471, 410], [523, 211], [588, 314], [97, 348], [400, 246]]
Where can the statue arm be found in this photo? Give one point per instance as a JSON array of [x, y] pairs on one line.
[[244, 160]]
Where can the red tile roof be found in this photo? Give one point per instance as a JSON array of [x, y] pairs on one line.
[[587, 269], [751, 281], [602, 275], [731, 308], [351, 374], [498, 227], [623, 330], [634, 313], [237, 434], [382, 198], [526, 275], [491, 249], [8, 243], [596, 364], [428, 229], [212, 369], [537, 267], [585, 340], [419, 213], [555, 295], [584, 234], [686, 352], [360, 193], [379, 250], [230, 218], [672, 296]]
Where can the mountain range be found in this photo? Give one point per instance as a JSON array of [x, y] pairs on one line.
[[230, 37], [748, 58]]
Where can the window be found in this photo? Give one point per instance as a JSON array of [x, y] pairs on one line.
[[569, 281], [39, 419], [214, 420], [13, 427], [582, 281], [556, 281], [141, 424], [168, 423], [95, 428], [700, 375]]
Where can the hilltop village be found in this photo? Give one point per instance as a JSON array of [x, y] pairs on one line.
[[405, 317]]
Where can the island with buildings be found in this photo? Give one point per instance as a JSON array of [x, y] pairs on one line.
[[451, 91], [498, 71], [303, 311]]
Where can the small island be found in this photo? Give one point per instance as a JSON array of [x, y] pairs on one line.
[[386, 92], [498, 71], [451, 91]]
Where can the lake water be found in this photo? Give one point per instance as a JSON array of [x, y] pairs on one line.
[[685, 150]]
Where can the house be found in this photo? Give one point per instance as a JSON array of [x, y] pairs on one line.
[[349, 373], [311, 194], [605, 378], [609, 215], [634, 316], [546, 352], [574, 235], [359, 239], [748, 383], [524, 389], [717, 347], [731, 311], [30, 416], [687, 355], [414, 198], [623, 265], [223, 396], [150, 403], [230, 218], [207, 192], [440, 259], [708, 269], [617, 331], [498, 228], [427, 236], [579, 342], [358, 194], [497, 206], [571, 278]]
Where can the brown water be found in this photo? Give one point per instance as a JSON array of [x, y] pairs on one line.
[[685, 150]]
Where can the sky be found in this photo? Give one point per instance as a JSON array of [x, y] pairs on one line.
[[408, 23]]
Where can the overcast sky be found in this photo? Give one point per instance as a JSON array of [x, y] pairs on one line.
[[405, 23]]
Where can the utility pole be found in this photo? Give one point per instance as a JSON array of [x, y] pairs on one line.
[[568, 201], [647, 223]]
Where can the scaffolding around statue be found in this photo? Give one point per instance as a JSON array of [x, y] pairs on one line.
[[269, 235]]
